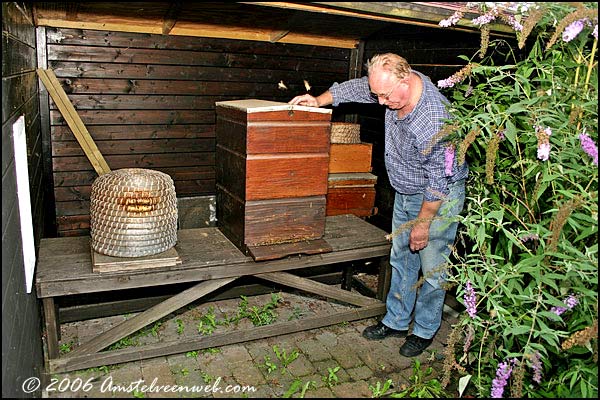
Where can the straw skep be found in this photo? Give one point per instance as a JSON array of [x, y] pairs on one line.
[[345, 132], [133, 213]]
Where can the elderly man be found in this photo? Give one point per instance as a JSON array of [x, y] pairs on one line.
[[430, 192]]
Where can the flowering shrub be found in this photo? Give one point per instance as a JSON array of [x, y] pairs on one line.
[[527, 271]]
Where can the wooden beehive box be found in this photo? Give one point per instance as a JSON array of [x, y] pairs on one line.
[[272, 163], [354, 157], [351, 193]]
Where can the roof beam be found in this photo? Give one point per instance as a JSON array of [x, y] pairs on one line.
[[171, 17], [413, 13]]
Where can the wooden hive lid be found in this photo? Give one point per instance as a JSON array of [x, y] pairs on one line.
[[256, 105]]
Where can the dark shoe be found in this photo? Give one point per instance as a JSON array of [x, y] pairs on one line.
[[381, 331], [414, 346]]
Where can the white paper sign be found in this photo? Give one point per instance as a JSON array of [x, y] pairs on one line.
[[20, 147]]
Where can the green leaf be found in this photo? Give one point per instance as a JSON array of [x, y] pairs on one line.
[[496, 214], [517, 330]]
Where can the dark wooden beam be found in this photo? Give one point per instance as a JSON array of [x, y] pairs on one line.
[[171, 17]]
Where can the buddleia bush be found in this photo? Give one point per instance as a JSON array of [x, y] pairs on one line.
[[525, 119]]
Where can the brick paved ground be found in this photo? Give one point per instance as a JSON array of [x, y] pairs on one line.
[[331, 362]]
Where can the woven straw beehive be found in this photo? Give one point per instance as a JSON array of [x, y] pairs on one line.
[[133, 213], [345, 132]]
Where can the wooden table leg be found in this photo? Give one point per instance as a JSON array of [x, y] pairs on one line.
[[385, 277], [347, 275], [52, 326]]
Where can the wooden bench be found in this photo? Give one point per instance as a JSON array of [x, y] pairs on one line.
[[209, 261]]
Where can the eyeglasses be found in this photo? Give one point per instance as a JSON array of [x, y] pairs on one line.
[[388, 94]]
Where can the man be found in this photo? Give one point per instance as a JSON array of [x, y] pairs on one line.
[[429, 193]]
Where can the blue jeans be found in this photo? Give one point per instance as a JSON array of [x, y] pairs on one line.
[[404, 297]]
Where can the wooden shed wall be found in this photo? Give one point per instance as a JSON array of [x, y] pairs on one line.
[[148, 102], [21, 325]]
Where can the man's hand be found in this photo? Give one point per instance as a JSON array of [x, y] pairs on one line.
[[419, 236], [305, 100]]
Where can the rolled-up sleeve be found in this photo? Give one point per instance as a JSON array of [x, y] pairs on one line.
[[427, 124], [437, 184], [352, 91]]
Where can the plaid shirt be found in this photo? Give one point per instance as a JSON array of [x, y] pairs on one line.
[[412, 164]]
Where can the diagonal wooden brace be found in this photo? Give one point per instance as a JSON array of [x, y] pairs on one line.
[[149, 316], [321, 289], [73, 120]]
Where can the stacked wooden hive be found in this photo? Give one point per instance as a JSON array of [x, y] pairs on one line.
[[272, 167], [351, 186]]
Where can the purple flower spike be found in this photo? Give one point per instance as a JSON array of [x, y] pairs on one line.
[[588, 145], [573, 30], [543, 152], [470, 300], [502, 375], [449, 159]]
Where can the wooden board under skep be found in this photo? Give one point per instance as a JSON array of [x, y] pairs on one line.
[[104, 263], [351, 179]]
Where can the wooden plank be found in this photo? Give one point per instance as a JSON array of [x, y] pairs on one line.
[[104, 263], [73, 120], [17, 90], [52, 326], [135, 102], [138, 117], [86, 178], [361, 288], [152, 146], [72, 361], [192, 58], [95, 38], [17, 23], [101, 16], [180, 87], [76, 163], [21, 57], [149, 316], [321, 289], [413, 13], [68, 69], [45, 129], [275, 251], [353, 179]]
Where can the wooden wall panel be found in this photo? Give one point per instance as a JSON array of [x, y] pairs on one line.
[[148, 101], [22, 347]]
